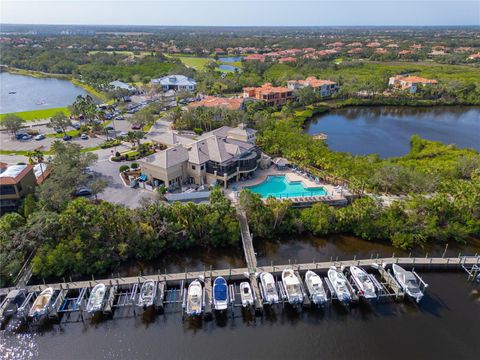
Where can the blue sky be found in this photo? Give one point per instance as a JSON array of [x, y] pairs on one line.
[[242, 12]]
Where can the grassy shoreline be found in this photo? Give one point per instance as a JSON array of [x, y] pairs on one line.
[[36, 115]]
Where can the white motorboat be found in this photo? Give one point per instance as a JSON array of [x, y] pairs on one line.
[[408, 281], [147, 294], [246, 294], [95, 300], [315, 288], [339, 283], [220, 294], [364, 283], [41, 304], [194, 299], [291, 284], [270, 294]]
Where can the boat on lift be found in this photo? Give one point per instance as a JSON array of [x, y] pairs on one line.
[[246, 294], [315, 288], [339, 283], [408, 281], [95, 300], [292, 286], [269, 293], [194, 298], [220, 294], [41, 304], [364, 284], [147, 294], [10, 305]]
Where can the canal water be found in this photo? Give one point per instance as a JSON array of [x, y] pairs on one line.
[[443, 326], [387, 130], [24, 93]]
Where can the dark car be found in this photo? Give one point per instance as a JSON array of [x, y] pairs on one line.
[[67, 138], [20, 135], [109, 128], [136, 127], [84, 192], [76, 126]]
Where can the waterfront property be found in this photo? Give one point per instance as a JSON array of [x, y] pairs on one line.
[[219, 102], [175, 82], [410, 83], [120, 85], [16, 181], [323, 87], [272, 95], [220, 156]]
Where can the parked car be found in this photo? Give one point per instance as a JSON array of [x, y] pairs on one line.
[[39, 137], [76, 126], [84, 192], [119, 118], [109, 127], [123, 133], [58, 130], [136, 127], [20, 135], [26, 137], [84, 136], [67, 138]]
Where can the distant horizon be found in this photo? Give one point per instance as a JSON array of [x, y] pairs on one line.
[[242, 13]]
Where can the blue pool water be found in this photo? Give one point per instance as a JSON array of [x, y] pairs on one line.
[[280, 187]]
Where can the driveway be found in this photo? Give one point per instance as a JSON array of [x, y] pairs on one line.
[[116, 192]]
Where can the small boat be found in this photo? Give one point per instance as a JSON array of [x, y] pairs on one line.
[[270, 294], [12, 92], [364, 283], [10, 305], [292, 286], [246, 294], [194, 298], [147, 294], [41, 303], [315, 288], [339, 283], [220, 294], [408, 282], [95, 300]]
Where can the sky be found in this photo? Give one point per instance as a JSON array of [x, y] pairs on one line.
[[242, 12]]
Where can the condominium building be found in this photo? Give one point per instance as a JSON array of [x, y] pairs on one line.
[[220, 156], [16, 181], [409, 83], [272, 95], [323, 87]]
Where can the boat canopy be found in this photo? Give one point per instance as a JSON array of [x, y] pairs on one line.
[[220, 289]]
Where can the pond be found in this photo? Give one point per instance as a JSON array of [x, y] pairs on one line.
[[24, 93], [387, 130], [229, 59]]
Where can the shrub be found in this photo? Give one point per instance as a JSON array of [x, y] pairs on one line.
[[134, 165], [123, 168]]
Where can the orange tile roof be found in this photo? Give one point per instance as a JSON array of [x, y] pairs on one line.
[[417, 80], [218, 102]]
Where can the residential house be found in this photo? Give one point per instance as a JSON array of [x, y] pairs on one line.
[[219, 102], [175, 82], [272, 95], [220, 156], [286, 59], [16, 181], [323, 87], [409, 83], [115, 85]]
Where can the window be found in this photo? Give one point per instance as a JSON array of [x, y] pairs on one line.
[[7, 190], [202, 167], [193, 167]]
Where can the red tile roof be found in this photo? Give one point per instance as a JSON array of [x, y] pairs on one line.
[[218, 102], [14, 180]]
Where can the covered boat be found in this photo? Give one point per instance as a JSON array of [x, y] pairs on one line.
[[10, 305], [270, 294], [291, 284], [246, 294], [315, 288], [41, 304], [95, 301], [408, 281], [220, 294], [147, 294], [364, 283], [339, 283], [194, 298]]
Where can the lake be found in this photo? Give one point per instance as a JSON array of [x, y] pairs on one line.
[[443, 326], [33, 93], [229, 59], [387, 130]]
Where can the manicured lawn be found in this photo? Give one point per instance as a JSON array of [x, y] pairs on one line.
[[99, 95], [38, 114], [198, 63], [72, 133]]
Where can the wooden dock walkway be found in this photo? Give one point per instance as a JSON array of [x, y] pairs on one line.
[[424, 263]]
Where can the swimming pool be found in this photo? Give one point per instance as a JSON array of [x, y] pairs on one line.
[[280, 187]]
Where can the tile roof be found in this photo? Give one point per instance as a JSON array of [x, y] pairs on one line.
[[218, 102], [14, 173]]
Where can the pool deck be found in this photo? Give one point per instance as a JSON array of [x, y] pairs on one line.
[[332, 196]]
